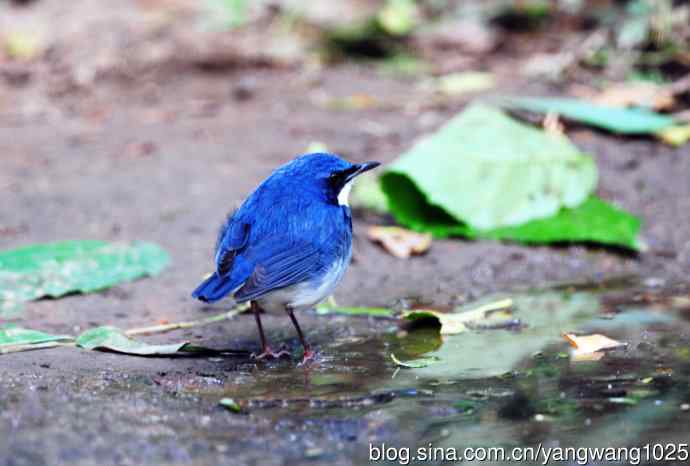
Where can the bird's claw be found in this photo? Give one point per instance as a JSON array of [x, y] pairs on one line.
[[309, 356], [268, 353]]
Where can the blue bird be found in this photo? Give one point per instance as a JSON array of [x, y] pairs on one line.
[[288, 245]]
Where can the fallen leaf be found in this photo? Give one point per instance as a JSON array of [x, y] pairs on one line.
[[675, 135], [463, 83], [398, 17], [614, 119], [56, 269], [472, 174], [108, 338], [400, 242], [489, 315], [524, 186], [22, 45], [14, 338], [589, 347], [230, 404]]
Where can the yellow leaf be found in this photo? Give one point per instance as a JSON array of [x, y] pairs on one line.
[[675, 135], [22, 46], [465, 82]]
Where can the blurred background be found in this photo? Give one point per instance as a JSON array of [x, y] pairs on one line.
[[180, 107]]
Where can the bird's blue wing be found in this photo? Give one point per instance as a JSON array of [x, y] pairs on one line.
[[233, 238], [280, 266], [232, 270]]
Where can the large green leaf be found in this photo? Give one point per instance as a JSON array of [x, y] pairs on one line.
[[55, 269], [113, 339], [429, 187], [11, 335], [488, 170], [593, 221], [614, 119]]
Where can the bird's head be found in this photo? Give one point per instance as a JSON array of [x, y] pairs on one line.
[[329, 174]]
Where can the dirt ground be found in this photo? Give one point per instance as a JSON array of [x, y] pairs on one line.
[[164, 160]]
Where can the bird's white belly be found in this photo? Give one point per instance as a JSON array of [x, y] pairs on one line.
[[304, 295]]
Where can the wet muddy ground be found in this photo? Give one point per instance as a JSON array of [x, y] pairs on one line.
[[163, 161]]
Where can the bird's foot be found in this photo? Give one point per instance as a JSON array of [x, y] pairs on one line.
[[268, 353], [309, 356]]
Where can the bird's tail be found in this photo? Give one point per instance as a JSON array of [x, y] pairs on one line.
[[213, 288]]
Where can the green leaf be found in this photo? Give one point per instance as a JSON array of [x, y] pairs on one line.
[[433, 186], [488, 170], [398, 17], [466, 406], [56, 269], [11, 335], [113, 339], [614, 119], [592, 221], [230, 404]]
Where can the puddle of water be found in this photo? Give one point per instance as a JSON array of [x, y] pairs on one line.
[[501, 387]]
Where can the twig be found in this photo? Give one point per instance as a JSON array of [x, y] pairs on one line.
[[181, 325], [495, 306]]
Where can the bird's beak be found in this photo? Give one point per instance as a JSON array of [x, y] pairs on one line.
[[363, 167]]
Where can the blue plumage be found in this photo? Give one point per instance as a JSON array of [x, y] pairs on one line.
[[289, 243]]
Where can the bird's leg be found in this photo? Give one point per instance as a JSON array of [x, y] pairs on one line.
[[308, 352], [266, 351]]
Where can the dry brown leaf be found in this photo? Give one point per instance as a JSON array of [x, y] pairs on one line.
[[400, 242], [589, 347]]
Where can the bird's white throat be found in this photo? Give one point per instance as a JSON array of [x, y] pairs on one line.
[[344, 195]]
